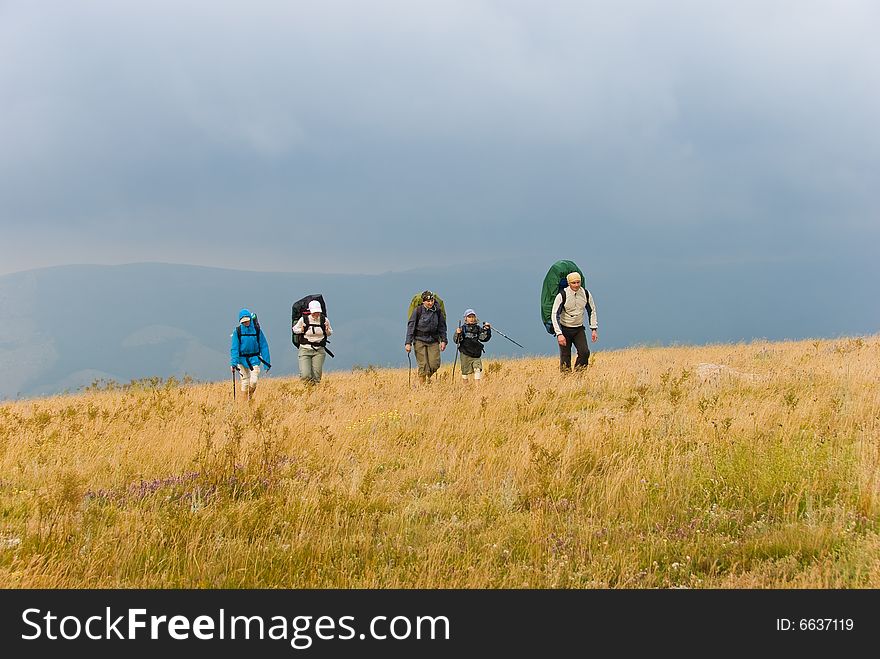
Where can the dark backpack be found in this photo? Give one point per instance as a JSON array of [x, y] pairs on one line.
[[469, 340], [300, 309]]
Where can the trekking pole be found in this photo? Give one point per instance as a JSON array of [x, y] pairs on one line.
[[233, 383], [409, 372], [456, 356], [507, 337]]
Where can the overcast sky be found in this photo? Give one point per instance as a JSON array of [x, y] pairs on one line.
[[374, 135]]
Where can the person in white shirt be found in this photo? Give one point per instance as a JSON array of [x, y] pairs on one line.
[[570, 307], [315, 329]]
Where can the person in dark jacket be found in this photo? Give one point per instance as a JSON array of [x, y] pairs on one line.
[[470, 338], [248, 350], [426, 333]]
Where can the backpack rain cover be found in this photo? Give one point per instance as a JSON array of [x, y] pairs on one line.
[[554, 282], [417, 300]]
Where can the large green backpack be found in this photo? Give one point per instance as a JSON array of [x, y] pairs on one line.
[[417, 300], [554, 282]]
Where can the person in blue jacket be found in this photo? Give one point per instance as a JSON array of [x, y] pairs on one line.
[[248, 351]]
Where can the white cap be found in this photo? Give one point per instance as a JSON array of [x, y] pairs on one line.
[[314, 306]]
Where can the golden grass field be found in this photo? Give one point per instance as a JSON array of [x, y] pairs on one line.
[[727, 466]]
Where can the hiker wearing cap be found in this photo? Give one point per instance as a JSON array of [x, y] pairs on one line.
[[426, 333], [470, 338], [248, 351], [568, 313], [315, 329]]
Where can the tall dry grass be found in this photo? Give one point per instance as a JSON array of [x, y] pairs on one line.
[[753, 465]]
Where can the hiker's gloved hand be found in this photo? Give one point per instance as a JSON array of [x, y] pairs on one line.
[[458, 330], [486, 325]]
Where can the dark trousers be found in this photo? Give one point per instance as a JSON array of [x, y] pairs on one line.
[[578, 337]]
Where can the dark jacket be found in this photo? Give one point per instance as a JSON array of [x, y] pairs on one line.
[[427, 325], [471, 339]]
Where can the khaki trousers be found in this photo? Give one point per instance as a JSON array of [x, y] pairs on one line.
[[427, 357]]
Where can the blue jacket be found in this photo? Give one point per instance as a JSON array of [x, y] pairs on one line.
[[251, 349]]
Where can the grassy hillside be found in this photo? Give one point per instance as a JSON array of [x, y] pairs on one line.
[[724, 466]]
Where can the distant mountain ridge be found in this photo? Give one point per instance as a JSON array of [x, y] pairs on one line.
[[67, 326]]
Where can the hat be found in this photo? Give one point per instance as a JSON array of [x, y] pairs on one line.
[[573, 276], [314, 306], [469, 312], [427, 295]]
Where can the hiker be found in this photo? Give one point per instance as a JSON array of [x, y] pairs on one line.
[[470, 338], [315, 328], [426, 332], [568, 322], [248, 350]]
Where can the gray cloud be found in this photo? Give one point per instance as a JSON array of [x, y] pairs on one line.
[[353, 136]]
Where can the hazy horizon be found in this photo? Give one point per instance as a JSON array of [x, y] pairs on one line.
[[479, 263]]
